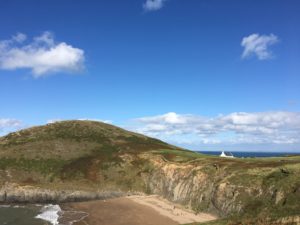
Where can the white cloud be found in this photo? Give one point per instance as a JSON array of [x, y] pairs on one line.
[[8, 125], [4, 123], [153, 5], [53, 121], [258, 45], [19, 37], [171, 118], [98, 120], [42, 55], [234, 128]]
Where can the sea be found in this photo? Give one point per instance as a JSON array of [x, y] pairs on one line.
[[54, 215], [31, 214], [245, 154]]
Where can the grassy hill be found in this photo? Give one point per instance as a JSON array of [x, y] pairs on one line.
[[88, 154], [73, 139], [93, 156]]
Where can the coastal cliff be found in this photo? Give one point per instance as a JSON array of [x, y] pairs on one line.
[[266, 190], [14, 193], [84, 160]]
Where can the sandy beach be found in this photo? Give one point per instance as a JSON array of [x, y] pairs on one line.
[[136, 210]]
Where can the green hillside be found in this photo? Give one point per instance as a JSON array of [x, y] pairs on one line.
[[74, 139], [86, 153]]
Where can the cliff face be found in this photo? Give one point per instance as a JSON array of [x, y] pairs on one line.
[[190, 186], [230, 188], [15, 193]]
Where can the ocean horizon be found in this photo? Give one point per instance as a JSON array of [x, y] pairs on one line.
[[251, 154]]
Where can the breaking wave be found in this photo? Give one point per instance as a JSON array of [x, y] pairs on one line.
[[50, 213]]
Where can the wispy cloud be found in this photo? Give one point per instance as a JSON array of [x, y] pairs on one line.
[[82, 119], [42, 55], [7, 125], [153, 5], [258, 45], [4, 123], [239, 130], [234, 128]]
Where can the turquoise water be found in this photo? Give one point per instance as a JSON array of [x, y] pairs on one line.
[[20, 215]]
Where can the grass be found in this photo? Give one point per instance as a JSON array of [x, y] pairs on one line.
[[174, 155], [39, 165], [74, 139]]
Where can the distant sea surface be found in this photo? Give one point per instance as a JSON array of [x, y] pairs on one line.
[[252, 154]]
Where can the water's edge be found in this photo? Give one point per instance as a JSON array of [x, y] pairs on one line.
[[33, 214]]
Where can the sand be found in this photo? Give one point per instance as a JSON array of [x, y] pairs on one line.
[[174, 211], [136, 210]]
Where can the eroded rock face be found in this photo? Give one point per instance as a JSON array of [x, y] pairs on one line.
[[289, 220], [191, 185], [13, 193]]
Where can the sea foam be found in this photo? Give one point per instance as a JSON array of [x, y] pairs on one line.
[[50, 213]]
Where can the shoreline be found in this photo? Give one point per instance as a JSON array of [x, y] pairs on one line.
[[172, 210], [134, 210], [70, 216]]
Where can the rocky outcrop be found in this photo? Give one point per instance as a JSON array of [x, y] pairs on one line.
[[190, 186], [207, 188], [289, 220], [14, 193]]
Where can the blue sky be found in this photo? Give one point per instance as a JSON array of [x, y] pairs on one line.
[[204, 74]]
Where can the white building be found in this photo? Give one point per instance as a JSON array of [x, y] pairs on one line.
[[226, 155]]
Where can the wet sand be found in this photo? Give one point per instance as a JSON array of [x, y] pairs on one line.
[[136, 210]]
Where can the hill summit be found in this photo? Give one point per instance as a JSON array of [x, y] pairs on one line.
[[74, 139]]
